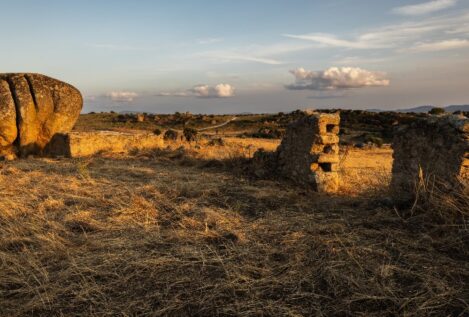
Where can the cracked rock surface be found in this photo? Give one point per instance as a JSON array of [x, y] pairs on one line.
[[33, 109]]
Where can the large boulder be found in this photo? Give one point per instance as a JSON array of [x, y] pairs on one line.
[[33, 109], [8, 129]]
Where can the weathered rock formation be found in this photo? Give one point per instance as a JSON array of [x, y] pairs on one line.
[[308, 154], [84, 144], [33, 109], [432, 150]]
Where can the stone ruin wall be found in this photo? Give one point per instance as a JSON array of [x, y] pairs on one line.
[[308, 154], [434, 149], [83, 144]]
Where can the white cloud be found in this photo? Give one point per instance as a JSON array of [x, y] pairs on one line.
[[218, 91], [336, 78], [122, 96], [204, 91], [439, 46], [425, 8]]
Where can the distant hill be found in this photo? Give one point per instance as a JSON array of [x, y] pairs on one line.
[[422, 109], [129, 112], [453, 108], [376, 110]]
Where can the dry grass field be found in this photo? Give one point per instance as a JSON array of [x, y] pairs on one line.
[[186, 232]]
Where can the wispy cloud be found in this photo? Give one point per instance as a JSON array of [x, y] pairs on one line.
[[360, 60], [392, 36], [425, 8], [203, 91], [122, 96], [439, 46], [384, 37], [331, 40], [262, 54], [227, 56], [336, 78], [462, 29]]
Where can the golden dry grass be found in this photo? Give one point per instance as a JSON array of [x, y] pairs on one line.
[[177, 232]]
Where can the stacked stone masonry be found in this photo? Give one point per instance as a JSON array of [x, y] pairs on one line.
[[433, 151], [308, 154]]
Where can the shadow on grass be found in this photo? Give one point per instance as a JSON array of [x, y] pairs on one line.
[[186, 236]]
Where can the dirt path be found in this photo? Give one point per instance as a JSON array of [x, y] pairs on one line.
[[218, 126]]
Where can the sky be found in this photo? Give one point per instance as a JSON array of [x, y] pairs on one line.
[[228, 56]]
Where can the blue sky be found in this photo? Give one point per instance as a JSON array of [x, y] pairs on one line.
[[244, 56]]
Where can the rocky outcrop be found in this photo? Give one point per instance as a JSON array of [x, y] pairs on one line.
[[308, 154], [33, 109], [8, 128], [85, 144], [430, 151]]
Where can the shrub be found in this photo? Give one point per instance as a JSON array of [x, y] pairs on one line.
[[170, 135], [437, 111], [268, 133], [121, 118], [377, 141], [157, 131], [369, 138], [190, 134], [217, 142]]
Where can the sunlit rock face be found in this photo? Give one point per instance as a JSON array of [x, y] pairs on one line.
[[33, 109]]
